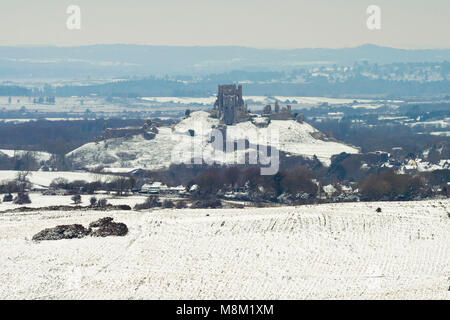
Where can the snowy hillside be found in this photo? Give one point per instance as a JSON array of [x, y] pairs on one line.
[[294, 138], [332, 251]]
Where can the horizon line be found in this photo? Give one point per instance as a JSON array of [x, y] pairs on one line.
[[220, 46]]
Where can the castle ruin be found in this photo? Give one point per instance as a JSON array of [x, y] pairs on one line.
[[229, 107], [284, 114]]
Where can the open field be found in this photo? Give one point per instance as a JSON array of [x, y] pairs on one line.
[[39, 200], [333, 251], [44, 179]]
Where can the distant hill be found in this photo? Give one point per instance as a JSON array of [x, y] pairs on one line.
[[299, 139], [103, 61]]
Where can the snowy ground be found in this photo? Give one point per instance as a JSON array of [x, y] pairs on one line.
[[38, 201], [45, 178], [73, 105], [39, 156], [310, 252]]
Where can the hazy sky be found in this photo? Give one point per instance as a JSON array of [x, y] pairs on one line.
[[254, 23]]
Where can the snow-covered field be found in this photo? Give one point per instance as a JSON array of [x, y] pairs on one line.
[[444, 123], [182, 100], [38, 201], [331, 251], [44, 178], [72, 104], [441, 133], [39, 155]]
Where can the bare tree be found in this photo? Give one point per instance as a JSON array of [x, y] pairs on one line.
[[123, 184], [22, 180]]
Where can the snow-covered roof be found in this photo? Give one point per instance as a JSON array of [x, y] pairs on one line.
[[329, 188], [154, 185], [346, 188], [177, 188]]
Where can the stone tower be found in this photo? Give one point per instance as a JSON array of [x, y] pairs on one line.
[[229, 106]]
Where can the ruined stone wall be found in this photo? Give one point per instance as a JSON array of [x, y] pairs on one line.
[[114, 133], [281, 116], [229, 106], [121, 132]]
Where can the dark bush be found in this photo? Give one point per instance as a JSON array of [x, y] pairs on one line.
[[92, 187], [93, 201], [22, 198], [150, 202], [168, 204], [181, 205], [204, 204], [102, 203], [7, 198], [10, 187], [59, 183], [76, 198]]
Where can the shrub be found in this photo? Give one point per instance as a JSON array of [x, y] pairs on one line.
[[204, 204], [92, 187], [76, 198], [150, 202], [78, 186], [93, 201], [9, 187], [59, 183], [102, 202], [168, 204], [22, 198], [7, 198], [181, 205]]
